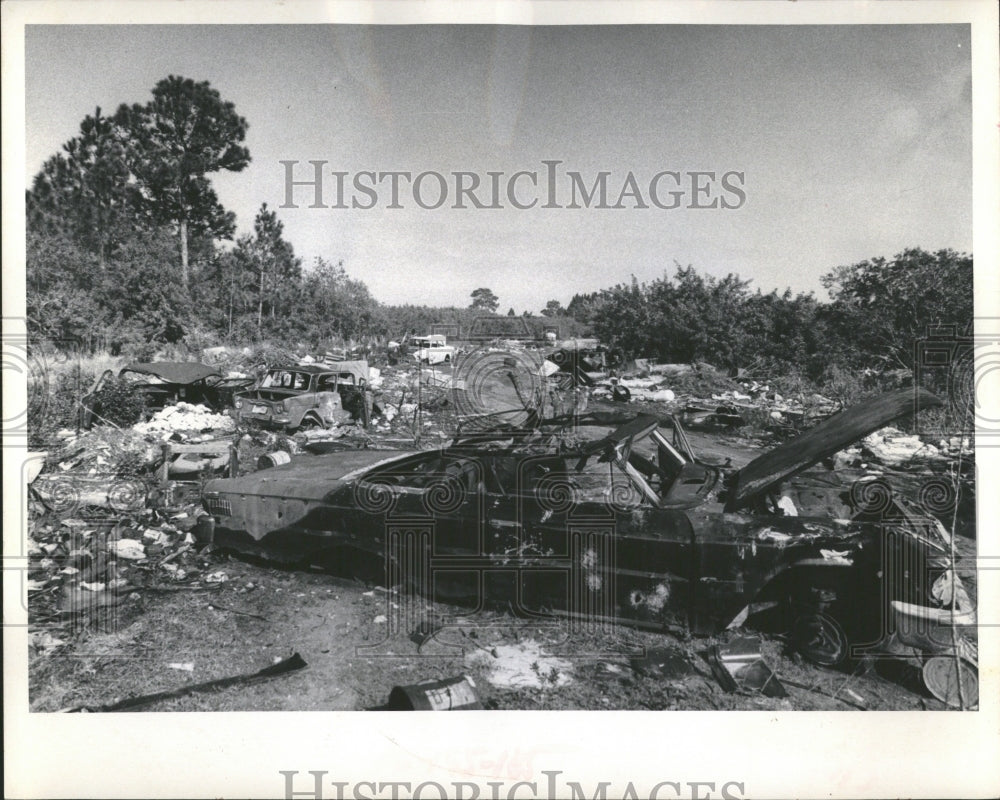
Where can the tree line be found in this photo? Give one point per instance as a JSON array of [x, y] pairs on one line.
[[126, 246], [879, 311]]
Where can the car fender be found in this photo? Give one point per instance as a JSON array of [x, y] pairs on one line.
[[295, 412], [311, 417], [810, 545], [327, 404]]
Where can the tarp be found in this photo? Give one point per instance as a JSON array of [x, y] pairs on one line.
[[173, 371], [827, 438]]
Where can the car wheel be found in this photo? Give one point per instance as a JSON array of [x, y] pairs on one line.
[[447, 359], [819, 638]]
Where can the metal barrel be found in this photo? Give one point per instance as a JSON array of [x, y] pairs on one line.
[[274, 459], [450, 694]]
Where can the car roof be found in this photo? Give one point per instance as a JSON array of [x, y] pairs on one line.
[[312, 369], [173, 371]]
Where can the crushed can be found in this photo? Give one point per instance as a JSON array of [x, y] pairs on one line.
[[451, 694]]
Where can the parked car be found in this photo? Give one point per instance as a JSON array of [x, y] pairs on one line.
[[631, 527], [164, 382], [315, 396], [432, 349]]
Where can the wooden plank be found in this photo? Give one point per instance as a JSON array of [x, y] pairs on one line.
[[214, 447]]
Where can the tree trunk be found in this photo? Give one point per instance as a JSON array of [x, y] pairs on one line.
[[260, 303], [232, 299], [184, 253]]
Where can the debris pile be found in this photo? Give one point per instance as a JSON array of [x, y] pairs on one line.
[[522, 665], [707, 398], [185, 417], [102, 451], [892, 447], [83, 568]]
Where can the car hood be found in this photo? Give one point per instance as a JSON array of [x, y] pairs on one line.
[[830, 436], [312, 478]]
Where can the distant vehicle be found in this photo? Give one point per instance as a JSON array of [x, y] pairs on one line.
[[164, 382], [432, 349], [314, 396]]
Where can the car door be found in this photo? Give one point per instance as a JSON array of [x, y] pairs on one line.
[[588, 543], [436, 516]]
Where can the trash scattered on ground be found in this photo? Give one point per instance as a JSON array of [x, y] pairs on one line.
[[739, 664], [941, 677], [522, 665], [107, 527], [282, 667], [663, 662], [184, 417], [130, 549], [46, 642], [892, 447], [450, 694]]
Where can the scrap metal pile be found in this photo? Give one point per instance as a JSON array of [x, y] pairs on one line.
[[116, 512]]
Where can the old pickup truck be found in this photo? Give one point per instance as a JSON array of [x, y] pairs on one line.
[[315, 396]]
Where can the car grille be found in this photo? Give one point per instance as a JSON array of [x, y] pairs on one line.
[[220, 506]]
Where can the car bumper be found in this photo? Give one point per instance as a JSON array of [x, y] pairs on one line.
[[265, 420]]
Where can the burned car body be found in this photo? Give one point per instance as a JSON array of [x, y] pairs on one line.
[[631, 527], [313, 396], [164, 382]]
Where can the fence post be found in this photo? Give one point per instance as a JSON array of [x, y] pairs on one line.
[[165, 466]]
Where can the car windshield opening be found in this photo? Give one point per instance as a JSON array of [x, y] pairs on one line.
[[285, 379]]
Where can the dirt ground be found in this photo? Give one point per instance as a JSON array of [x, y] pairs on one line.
[[357, 650], [361, 640]]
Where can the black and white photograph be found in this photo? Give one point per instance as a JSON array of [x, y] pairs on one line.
[[524, 360]]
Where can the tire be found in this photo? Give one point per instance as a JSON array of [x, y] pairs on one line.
[[833, 614], [819, 638]]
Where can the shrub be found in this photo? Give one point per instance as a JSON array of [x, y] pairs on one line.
[[845, 386], [119, 403], [54, 404]]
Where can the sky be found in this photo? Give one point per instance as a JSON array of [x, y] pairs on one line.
[[851, 142]]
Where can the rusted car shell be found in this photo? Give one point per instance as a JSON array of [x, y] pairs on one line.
[[331, 394]]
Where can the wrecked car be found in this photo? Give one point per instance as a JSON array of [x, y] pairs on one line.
[[164, 382], [631, 527], [302, 397], [432, 349]]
